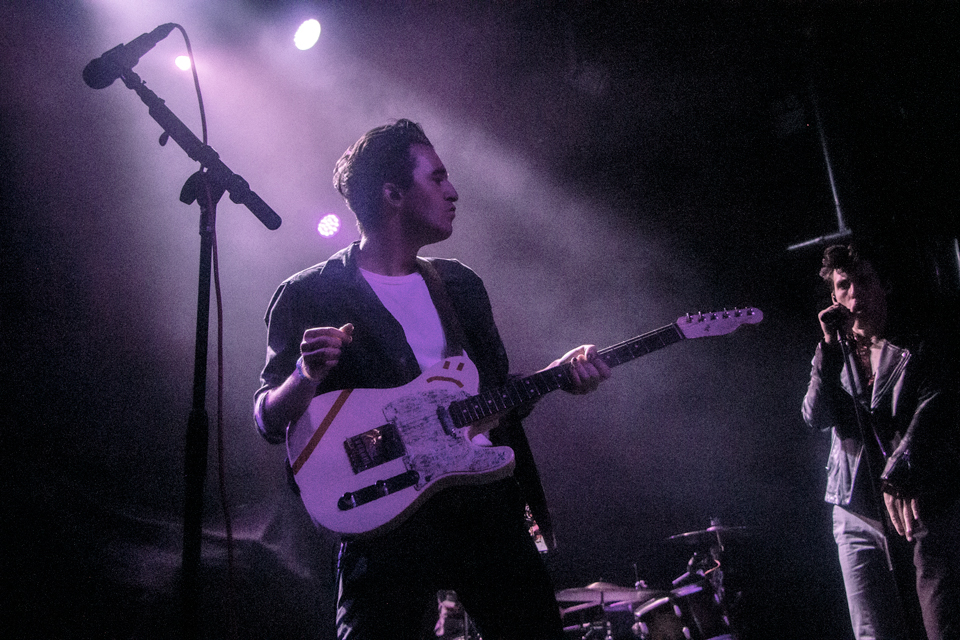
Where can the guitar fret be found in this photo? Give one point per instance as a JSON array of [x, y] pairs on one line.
[[509, 396], [497, 401], [493, 402], [483, 405], [538, 385], [476, 409], [543, 382], [461, 413], [486, 403], [522, 391], [517, 393], [642, 347], [529, 387], [563, 376]]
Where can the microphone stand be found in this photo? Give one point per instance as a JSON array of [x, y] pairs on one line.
[[850, 362], [206, 188]]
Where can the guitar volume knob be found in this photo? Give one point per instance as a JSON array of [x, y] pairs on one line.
[[347, 501]]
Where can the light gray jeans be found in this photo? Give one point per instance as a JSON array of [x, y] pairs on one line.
[[875, 609]]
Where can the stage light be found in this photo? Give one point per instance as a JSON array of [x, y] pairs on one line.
[[329, 225], [183, 63], [307, 35]]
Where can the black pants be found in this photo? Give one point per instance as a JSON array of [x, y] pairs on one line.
[[937, 559], [469, 539]]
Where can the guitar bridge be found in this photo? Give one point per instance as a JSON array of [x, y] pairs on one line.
[[374, 447], [381, 489]]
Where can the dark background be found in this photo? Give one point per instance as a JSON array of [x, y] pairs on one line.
[[619, 165]]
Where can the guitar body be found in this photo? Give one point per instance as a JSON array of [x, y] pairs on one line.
[[364, 459]]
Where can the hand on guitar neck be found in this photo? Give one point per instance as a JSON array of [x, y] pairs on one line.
[[587, 371], [587, 368]]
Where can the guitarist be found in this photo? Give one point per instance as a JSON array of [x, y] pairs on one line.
[[374, 315]]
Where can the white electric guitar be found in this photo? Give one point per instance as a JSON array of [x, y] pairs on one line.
[[365, 459]]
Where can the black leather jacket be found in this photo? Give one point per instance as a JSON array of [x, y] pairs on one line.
[[912, 412]]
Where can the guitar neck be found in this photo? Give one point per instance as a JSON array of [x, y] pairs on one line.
[[519, 392]]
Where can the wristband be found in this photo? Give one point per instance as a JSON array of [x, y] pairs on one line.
[[302, 373]]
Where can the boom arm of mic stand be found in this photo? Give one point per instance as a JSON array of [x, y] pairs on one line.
[[217, 172]]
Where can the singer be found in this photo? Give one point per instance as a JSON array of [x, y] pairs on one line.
[[884, 382]]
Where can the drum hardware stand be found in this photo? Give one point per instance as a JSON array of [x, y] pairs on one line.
[[708, 567], [603, 626], [601, 629]]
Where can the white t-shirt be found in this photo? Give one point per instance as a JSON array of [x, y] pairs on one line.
[[408, 300]]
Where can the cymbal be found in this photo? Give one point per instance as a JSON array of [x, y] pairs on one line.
[[710, 531], [605, 592]]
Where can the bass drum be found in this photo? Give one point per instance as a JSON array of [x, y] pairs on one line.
[[690, 612]]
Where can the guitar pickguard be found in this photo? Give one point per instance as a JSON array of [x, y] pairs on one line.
[[430, 450], [364, 459]]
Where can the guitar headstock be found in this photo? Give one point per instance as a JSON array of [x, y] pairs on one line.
[[717, 323]]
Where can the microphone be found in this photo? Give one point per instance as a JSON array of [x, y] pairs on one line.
[[101, 73]]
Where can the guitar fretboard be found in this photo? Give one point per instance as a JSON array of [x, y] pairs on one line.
[[518, 392]]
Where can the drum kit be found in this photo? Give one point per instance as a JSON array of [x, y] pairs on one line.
[[694, 607]]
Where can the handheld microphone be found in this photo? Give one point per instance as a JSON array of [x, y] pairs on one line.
[[101, 72]]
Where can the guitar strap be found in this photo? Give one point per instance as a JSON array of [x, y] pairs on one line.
[[453, 332], [525, 473]]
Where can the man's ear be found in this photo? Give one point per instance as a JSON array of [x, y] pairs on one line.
[[392, 193]]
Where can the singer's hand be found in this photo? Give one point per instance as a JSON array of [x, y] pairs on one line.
[[904, 515], [834, 318]]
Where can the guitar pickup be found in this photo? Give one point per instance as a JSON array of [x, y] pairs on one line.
[[374, 447], [382, 488]]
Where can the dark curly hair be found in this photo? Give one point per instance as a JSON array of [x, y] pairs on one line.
[[842, 257], [849, 258], [380, 156]]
